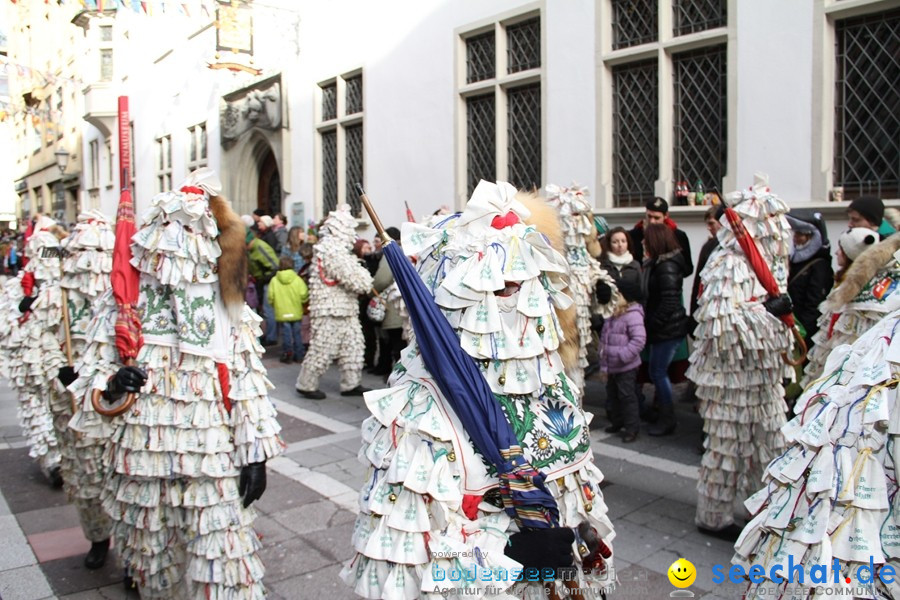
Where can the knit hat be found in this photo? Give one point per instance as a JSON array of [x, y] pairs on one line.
[[870, 207], [267, 221], [630, 288], [658, 204], [248, 220], [855, 241]]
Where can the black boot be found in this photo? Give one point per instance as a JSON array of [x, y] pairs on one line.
[[665, 425], [96, 556], [56, 480]]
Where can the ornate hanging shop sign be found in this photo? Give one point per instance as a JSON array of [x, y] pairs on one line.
[[234, 37]]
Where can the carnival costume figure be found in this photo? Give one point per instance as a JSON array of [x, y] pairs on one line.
[[87, 262], [867, 292], [737, 360], [39, 357], [431, 505], [335, 282], [831, 499], [587, 279], [188, 457]]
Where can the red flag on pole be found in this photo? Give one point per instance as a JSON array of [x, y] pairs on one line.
[[124, 277]]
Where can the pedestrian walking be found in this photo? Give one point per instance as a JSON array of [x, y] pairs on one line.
[[288, 294]]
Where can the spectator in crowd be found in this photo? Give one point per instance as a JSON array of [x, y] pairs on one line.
[[306, 253], [391, 338], [295, 239], [617, 256], [621, 341], [279, 228], [363, 251], [658, 212], [288, 295], [665, 318], [810, 277], [263, 265], [868, 212], [257, 215], [712, 218], [267, 234]]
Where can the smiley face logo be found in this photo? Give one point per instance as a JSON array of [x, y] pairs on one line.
[[682, 573]]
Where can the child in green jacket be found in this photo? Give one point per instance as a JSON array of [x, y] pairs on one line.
[[287, 295]]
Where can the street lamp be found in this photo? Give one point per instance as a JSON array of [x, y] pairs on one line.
[[62, 161]]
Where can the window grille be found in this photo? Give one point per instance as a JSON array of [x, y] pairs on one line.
[[698, 15], [634, 22], [867, 105], [635, 132], [480, 135], [106, 64], [524, 136], [480, 57], [523, 42], [354, 137], [354, 95], [329, 171], [329, 102], [701, 116]]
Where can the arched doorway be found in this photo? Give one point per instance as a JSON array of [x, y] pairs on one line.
[[268, 195]]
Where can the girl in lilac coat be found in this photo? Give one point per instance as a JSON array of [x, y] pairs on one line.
[[621, 341]]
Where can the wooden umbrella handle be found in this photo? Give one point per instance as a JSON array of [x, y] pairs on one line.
[[115, 411], [367, 204], [796, 362]]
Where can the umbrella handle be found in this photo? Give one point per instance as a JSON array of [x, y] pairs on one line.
[[372, 214], [796, 362], [115, 411]]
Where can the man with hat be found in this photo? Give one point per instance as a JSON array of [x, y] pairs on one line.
[[868, 212], [658, 212]]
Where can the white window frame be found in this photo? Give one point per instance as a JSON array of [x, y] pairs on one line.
[[663, 49], [499, 85], [194, 136], [826, 13], [163, 163], [338, 124]]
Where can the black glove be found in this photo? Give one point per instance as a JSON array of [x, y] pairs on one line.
[[25, 304], [126, 380], [597, 323], [603, 291], [253, 482], [67, 375], [542, 548], [779, 305]]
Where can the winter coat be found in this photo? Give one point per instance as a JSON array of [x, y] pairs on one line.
[[622, 339], [637, 236], [631, 271], [287, 295], [705, 252], [383, 279], [664, 314], [263, 262], [809, 282]]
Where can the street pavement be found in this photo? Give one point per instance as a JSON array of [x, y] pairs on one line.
[[307, 512]]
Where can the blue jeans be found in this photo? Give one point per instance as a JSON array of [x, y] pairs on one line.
[[290, 334], [268, 314], [661, 355]]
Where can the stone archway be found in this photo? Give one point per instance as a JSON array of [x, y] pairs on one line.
[[268, 195], [253, 173]]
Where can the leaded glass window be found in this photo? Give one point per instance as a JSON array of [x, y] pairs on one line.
[[524, 136], [329, 102], [634, 22], [354, 95], [481, 138], [329, 170], [523, 42], [690, 16], [353, 136], [635, 132], [480, 52], [867, 105], [701, 116]]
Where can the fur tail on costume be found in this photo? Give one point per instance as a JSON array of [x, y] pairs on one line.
[[233, 262], [546, 219], [861, 271]]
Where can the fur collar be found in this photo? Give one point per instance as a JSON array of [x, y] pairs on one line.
[[233, 262], [861, 271]]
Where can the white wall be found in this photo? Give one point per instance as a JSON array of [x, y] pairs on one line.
[[774, 71]]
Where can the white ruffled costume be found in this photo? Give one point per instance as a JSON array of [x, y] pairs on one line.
[[423, 469], [87, 263], [736, 362], [336, 280], [10, 332], [577, 218], [39, 357], [176, 454], [833, 494]]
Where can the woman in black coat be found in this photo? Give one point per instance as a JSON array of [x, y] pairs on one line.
[[665, 318], [810, 277]]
